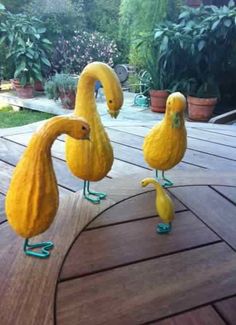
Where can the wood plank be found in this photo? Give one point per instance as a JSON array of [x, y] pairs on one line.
[[212, 208], [211, 137], [11, 152], [27, 285], [136, 141], [58, 151], [6, 171], [2, 208], [228, 191], [137, 207], [113, 246], [227, 309], [201, 316], [150, 290], [229, 130]]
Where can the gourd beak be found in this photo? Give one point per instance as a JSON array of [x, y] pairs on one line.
[[113, 114]]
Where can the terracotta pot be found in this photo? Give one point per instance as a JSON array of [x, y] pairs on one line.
[[194, 3], [200, 109], [158, 100], [68, 99], [38, 85], [26, 91]]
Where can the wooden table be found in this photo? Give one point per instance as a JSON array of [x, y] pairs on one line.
[[109, 266]]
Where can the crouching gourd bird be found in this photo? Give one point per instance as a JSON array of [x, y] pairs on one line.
[[165, 145], [93, 160], [32, 199], [164, 206]]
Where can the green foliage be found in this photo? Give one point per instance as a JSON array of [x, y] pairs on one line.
[[27, 48], [204, 37], [61, 17], [133, 22], [15, 6], [103, 16], [60, 83]]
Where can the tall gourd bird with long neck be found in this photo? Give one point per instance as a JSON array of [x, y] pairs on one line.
[[165, 145], [32, 199], [97, 158]]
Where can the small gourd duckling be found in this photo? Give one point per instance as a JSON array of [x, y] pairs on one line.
[[164, 206], [32, 199], [165, 144]]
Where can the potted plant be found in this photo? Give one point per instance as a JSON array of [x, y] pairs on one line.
[[62, 86], [213, 38], [28, 50], [165, 49]]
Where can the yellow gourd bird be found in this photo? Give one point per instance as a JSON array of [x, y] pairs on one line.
[[32, 199], [165, 145], [93, 160], [164, 206]]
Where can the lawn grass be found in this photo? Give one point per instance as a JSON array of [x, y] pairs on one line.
[[10, 118]]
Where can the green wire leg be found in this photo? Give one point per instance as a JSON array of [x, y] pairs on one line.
[[92, 196], [167, 183], [163, 228], [43, 253]]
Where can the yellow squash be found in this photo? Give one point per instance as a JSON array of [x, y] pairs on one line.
[[97, 158], [32, 198], [165, 145], [164, 205], [91, 161]]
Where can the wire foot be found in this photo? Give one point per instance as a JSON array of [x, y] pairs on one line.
[[163, 228], [43, 253]]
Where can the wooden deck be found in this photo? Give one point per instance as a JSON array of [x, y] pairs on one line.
[[109, 266]]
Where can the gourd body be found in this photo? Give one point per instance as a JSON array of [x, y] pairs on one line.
[[32, 199], [165, 145], [164, 205], [97, 158]]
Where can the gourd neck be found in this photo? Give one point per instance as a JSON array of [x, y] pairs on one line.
[[46, 135], [157, 186], [174, 120], [85, 99]]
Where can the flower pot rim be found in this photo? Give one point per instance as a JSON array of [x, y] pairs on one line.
[[202, 101]]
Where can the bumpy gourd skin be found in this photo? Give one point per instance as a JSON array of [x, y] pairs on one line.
[[32, 199], [166, 143], [97, 158]]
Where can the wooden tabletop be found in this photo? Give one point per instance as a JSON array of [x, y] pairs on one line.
[[109, 266]]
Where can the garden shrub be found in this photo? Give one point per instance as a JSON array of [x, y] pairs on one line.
[[71, 56]]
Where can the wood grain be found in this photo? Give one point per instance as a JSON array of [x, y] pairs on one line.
[[201, 316], [140, 206], [2, 208], [228, 191], [149, 290], [136, 141], [27, 285], [211, 208], [112, 246], [227, 309], [11, 152]]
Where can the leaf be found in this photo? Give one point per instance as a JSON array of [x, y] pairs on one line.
[[2, 7], [158, 34], [228, 22], [45, 40], [201, 45], [41, 30], [231, 4], [46, 62], [20, 68], [214, 26]]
